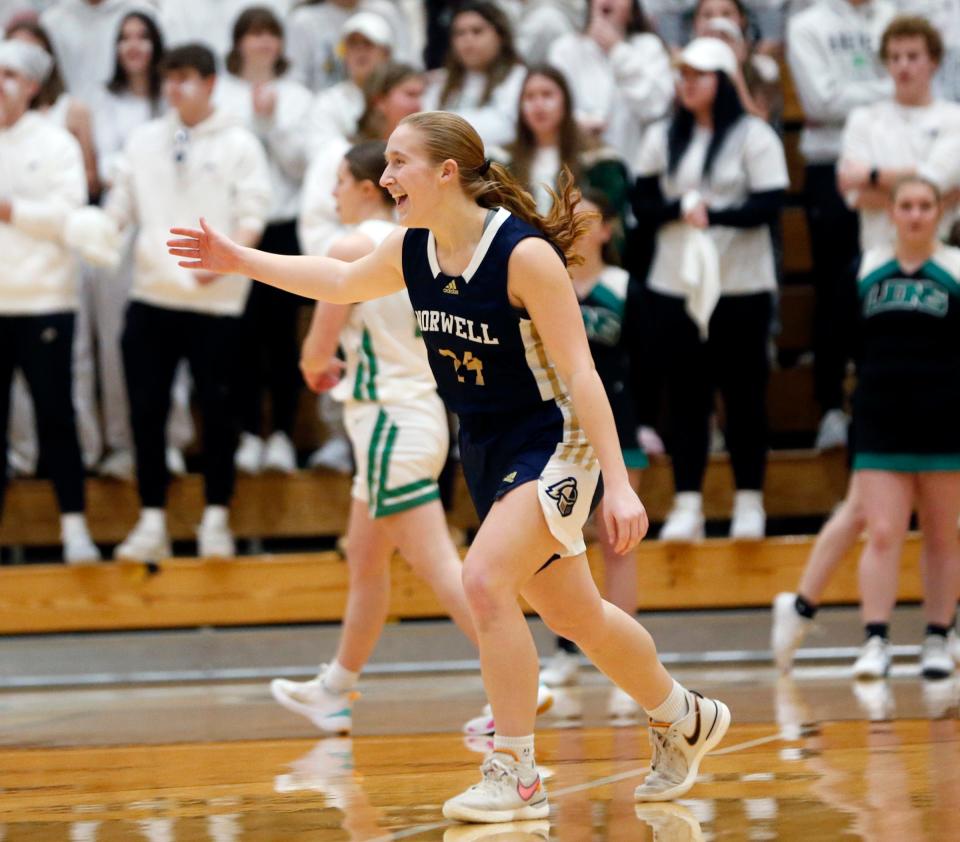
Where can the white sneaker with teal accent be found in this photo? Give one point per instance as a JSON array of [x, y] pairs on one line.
[[679, 747], [331, 712], [508, 792]]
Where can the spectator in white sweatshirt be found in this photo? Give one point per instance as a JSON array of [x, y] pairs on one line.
[[41, 181], [83, 32], [274, 107], [920, 134], [619, 72], [208, 22], [365, 46], [832, 49], [710, 182], [196, 159], [482, 76], [314, 30]]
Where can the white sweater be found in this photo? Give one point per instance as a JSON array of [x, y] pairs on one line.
[[926, 138], [115, 116], [83, 37], [41, 172], [283, 135], [832, 50], [334, 113], [628, 88], [222, 175], [208, 22], [495, 120]]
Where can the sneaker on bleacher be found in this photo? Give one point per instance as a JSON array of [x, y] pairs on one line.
[[249, 456], [334, 454], [833, 430], [117, 464], [279, 455], [214, 538], [749, 521], [149, 540], [78, 546], [685, 522]]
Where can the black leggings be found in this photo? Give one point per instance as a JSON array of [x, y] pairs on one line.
[[155, 339], [734, 361], [834, 245], [270, 355], [42, 348]]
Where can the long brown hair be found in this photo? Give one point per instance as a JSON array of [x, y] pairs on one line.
[[571, 138], [383, 79], [499, 68], [255, 19], [447, 136]]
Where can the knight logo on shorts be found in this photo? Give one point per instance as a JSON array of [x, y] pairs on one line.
[[565, 493]]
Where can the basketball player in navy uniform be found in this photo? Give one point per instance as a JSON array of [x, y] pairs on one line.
[[506, 343]]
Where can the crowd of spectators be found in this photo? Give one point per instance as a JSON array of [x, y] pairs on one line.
[[119, 118]]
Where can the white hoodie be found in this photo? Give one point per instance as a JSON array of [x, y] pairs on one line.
[[628, 88], [170, 175], [832, 48], [83, 36], [41, 172]]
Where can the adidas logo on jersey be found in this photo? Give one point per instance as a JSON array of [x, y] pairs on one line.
[[451, 288], [510, 477]]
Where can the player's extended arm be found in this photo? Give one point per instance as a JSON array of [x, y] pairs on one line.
[[539, 282], [321, 278]]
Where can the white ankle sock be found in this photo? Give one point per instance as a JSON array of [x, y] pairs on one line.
[[672, 708], [519, 747], [154, 519], [215, 517], [73, 525], [748, 501], [338, 679]]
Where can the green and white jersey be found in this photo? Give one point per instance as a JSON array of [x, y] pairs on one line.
[[386, 357]]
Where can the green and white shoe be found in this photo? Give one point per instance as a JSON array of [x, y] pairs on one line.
[[331, 712]]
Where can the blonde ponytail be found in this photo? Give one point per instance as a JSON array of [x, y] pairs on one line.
[[447, 136]]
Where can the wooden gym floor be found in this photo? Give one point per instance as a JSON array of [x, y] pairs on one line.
[[811, 758]]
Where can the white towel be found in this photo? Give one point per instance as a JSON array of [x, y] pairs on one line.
[[700, 274]]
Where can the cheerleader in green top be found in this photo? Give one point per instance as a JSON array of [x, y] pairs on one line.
[[608, 297], [906, 418]]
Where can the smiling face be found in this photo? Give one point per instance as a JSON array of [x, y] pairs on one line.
[[542, 105], [916, 212], [411, 178], [134, 47], [474, 41]]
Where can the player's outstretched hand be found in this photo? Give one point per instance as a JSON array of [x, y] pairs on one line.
[[205, 248], [625, 518]]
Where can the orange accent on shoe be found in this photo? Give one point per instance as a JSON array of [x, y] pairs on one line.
[[509, 751], [353, 695], [654, 724], [547, 704]]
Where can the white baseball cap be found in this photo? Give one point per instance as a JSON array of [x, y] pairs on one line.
[[26, 59], [371, 26], [707, 54]]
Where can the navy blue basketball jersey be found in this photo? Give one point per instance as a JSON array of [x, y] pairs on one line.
[[485, 354]]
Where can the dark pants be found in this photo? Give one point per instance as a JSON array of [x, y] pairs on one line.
[[734, 361], [270, 351], [155, 339], [42, 348], [834, 243]]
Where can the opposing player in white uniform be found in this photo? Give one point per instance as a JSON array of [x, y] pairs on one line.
[[398, 427]]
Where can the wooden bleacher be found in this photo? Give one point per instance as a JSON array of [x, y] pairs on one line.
[[311, 504], [298, 588]]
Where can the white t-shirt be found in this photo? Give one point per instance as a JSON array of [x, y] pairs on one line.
[[889, 135], [386, 358], [751, 160]]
